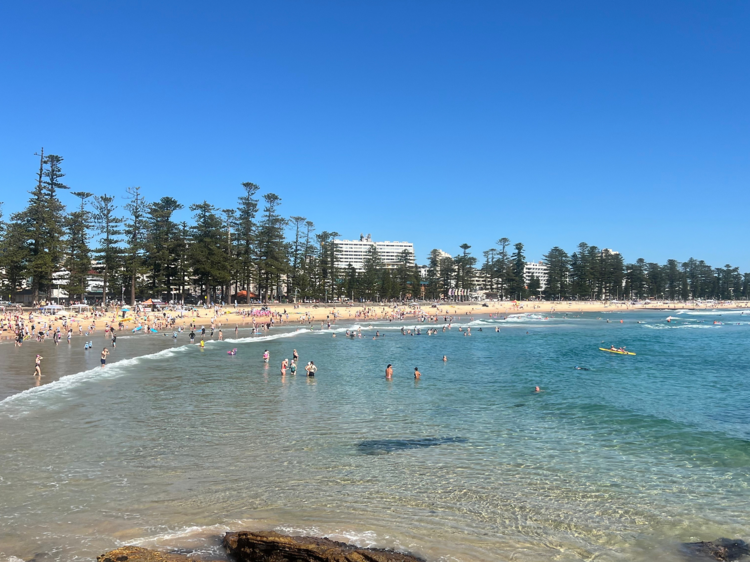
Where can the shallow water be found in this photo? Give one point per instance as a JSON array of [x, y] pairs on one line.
[[620, 462]]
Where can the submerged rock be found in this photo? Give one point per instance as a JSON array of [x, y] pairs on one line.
[[246, 546], [138, 554], [385, 446], [725, 550]]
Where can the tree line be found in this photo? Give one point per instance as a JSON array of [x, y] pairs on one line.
[[589, 273], [251, 252]]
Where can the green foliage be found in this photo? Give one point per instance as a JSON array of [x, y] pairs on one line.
[[78, 255], [150, 253], [108, 226]]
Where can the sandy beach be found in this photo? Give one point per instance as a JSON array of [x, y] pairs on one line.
[[228, 317]]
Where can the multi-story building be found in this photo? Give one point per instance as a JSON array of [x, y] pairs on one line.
[[538, 270], [355, 252]]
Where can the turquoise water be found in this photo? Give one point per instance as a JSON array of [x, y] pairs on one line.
[[620, 462]]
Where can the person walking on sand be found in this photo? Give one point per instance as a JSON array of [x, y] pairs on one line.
[[389, 372], [105, 352], [38, 366]]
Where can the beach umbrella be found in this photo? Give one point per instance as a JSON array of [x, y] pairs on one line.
[[125, 308]]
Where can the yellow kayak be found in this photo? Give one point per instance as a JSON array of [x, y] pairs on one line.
[[616, 351]]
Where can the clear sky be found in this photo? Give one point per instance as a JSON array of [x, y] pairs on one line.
[[622, 124]]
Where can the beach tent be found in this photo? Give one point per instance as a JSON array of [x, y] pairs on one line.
[[80, 306]]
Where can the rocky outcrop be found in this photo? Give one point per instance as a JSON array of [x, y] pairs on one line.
[[246, 546], [724, 550], [138, 554]]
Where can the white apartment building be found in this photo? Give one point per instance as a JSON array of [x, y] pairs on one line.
[[355, 252], [538, 270]]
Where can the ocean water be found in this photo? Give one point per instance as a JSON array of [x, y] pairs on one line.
[[170, 446]]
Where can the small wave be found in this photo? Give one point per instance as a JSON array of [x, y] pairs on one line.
[[113, 370], [354, 327], [183, 533], [263, 338], [681, 326], [715, 312]]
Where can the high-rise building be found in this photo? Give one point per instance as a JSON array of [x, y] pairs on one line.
[[355, 252]]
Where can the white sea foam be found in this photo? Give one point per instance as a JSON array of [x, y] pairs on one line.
[[364, 539], [171, 535]]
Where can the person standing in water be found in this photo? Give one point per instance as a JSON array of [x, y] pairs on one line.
[[284, 365], [105, 352], [417, 374], [266, 356], [389, 372], [38, 366]]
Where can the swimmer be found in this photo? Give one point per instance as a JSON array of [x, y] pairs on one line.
[[203, 344], [38, 366], [389, 372], [266, 356], [577, 368], [293, 367], [445, 358], [537, 389], [417, 374], [311, 369], [103, 359]]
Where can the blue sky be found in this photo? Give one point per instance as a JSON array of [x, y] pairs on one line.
[[624, 125]]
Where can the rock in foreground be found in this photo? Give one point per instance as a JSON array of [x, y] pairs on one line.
[[138, 554], [246, 546], [724, 550]]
